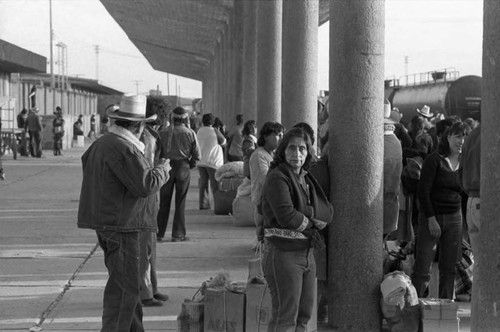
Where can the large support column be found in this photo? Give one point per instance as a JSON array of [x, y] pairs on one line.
[[356, 166], [237, 59], [486, 290], [269, 27], [299, 97], [249, 69], [219, 74]]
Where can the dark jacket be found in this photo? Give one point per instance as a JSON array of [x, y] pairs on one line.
[[292, 204], [33, 123], [439, 188], [118, 187]]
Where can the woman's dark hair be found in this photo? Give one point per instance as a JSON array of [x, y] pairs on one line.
[[218, 122], [267, 129], [247, 127], [443, 125], [279, 154], [307, 128], [208, 119], [458, 128]]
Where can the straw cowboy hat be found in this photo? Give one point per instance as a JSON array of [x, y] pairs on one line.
[[132, 108], [426, 111]]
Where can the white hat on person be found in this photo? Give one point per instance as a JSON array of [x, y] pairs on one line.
[[132, 108], [425, 111]]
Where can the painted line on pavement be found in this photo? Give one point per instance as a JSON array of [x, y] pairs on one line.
[[40, 210], [33, 217], [80, 320]]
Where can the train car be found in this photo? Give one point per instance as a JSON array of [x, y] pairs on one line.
[[444, 92]]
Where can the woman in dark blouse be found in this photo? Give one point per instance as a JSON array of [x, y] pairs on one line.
[[440, 218]]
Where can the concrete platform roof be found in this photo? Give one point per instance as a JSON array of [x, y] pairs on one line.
[[179, 36], [14, 59]]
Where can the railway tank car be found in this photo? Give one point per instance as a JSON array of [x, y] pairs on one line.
[[443, 91]]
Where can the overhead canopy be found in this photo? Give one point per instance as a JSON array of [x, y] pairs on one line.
[[14, 59], [178, 36]]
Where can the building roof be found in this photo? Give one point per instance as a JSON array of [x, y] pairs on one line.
[[14, 59], [179, 36], [75, 83]]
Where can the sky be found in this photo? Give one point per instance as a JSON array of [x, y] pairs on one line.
[[432, 34]]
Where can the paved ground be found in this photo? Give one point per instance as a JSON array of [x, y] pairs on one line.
[[52, 273]]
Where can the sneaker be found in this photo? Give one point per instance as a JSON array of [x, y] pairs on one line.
[[2, 175], [151, 303], [179, 239]]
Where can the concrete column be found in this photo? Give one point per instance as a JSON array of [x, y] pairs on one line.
[[356, 166], [299, 96], [219, 74], [237, 59], [485, 315], [223, 78], [228, 81], [269, 27], [249, 63]]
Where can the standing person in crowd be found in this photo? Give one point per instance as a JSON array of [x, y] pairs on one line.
[[421, 141], [470, 177], [249, 144], [440, 218], [181, 146], [212, 157], [58, 131], [234, 140], [78, 127], [220, 126], [22, 122], [104, 125], [117, 200], [295, 209], [269, 136], [34, 125], [2, 174], [400, 130], [153, 151], [393, 167], [92, 133]]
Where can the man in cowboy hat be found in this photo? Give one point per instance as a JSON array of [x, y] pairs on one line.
[[116, 201], [181, 147]]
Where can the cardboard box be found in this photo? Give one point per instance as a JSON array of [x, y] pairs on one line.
[[258, 309], [439, 309], [224, 311], [441, 325]]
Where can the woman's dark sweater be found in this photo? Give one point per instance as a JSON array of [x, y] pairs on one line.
[[439, 188]]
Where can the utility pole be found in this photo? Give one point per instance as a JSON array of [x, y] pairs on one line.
[[176, 93], [96, 48], [168, 85], [52, 78], [407, 58], [137, 83]]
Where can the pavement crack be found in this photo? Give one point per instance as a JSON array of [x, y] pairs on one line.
[[53, 304]]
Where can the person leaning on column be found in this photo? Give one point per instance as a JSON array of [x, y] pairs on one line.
[[117, 200]]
